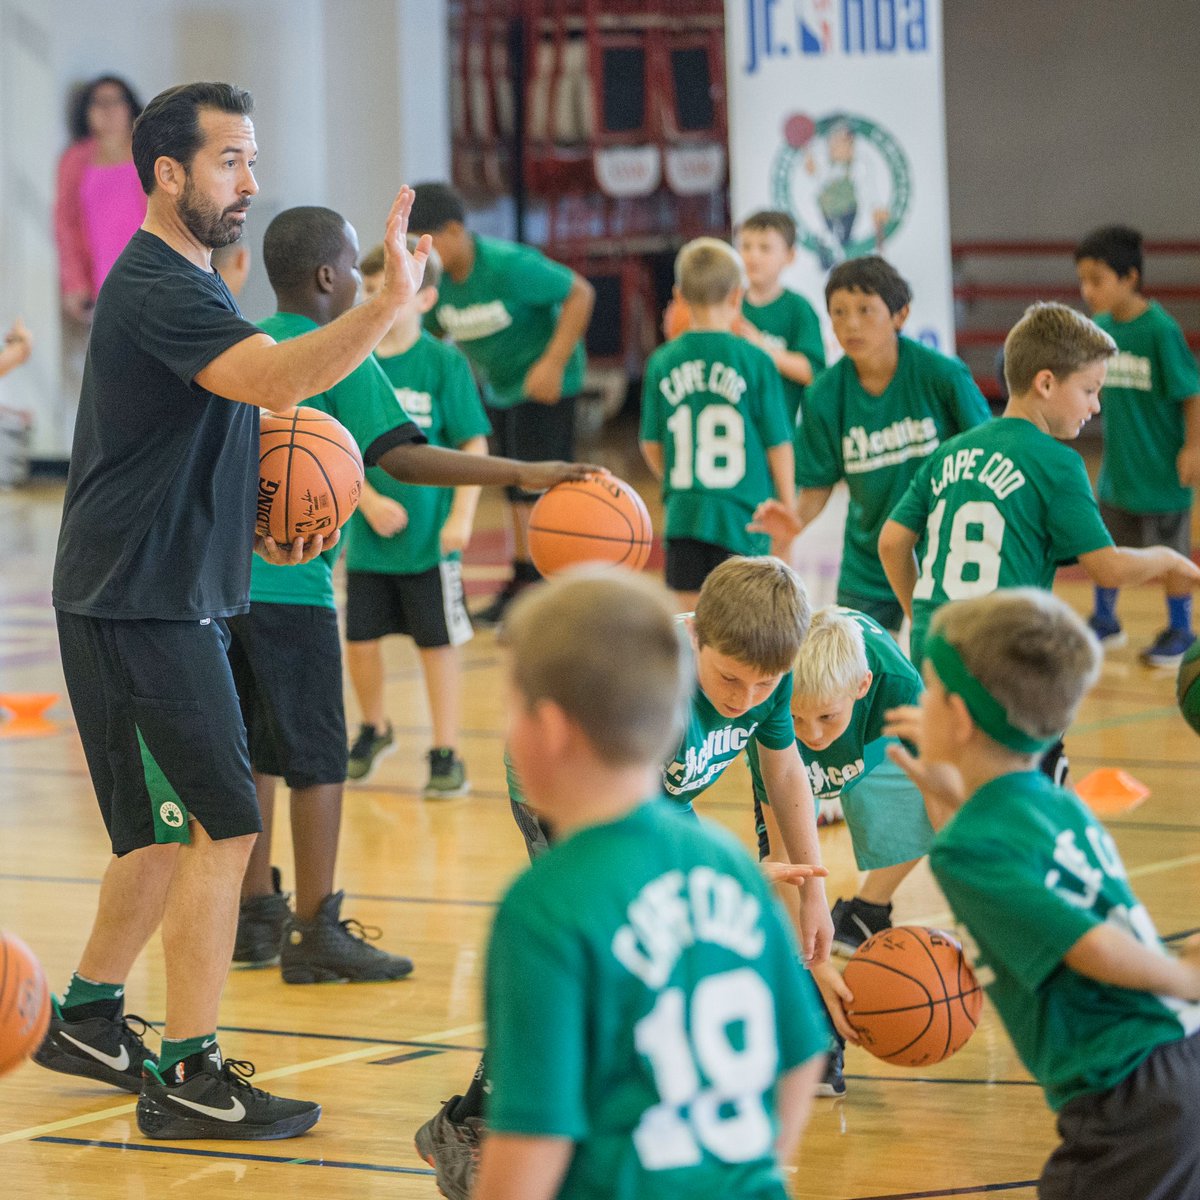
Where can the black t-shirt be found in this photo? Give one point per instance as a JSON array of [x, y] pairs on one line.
[[159, 514]]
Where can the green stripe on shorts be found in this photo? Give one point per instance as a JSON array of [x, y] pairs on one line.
[[169, 811]]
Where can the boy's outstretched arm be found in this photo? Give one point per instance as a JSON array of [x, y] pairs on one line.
[[1110, 955], [784, 523], [792, 805], [513, 1167], [898, 556], [1123, 566], [413, 462], [782, 461]]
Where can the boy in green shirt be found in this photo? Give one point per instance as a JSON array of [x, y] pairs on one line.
[[871, 419], [714, 427], [1006, 504], [1151, 428], [521, 319], [285, 653], [777, 320], [404, 543], [661, 1039], [1103, 1017]]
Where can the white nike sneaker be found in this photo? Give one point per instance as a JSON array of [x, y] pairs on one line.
[[107, 1049], [205, 1097]]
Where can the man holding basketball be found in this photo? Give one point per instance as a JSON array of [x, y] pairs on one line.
[[154, 554]]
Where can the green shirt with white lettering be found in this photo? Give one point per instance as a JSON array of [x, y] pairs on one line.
[[432, 383], [894, 681], [1148, 379], [791, 323], [714, 402], [1029, 871], [648, 1025], [877, 443], [996, 507], [365, 403], [503, 315]]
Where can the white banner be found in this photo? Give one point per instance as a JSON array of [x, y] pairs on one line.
[[836, 115]]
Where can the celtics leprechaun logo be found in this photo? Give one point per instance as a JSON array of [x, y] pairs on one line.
[[845, 180]]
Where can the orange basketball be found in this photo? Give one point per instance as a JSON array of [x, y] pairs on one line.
[[916, 999], [24, 1002], [598, 519], [677, 319], [310, 475]]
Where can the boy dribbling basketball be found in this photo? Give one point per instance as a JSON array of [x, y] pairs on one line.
[[1102, 1016], [614, 1067]]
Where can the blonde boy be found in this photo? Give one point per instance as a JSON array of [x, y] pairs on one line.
[[715, 428], [1102, 1016], [404, 544], [613, 1069]]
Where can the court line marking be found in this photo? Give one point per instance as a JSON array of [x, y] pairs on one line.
[[333, 1060], [957, 1081], [971, 1191], [195, 1152]]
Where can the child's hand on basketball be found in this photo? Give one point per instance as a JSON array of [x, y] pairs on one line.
[[797, 873], [837, 996], [299, 552], [538, 476], [778, 521], [386, 516], [402, 270], [543, 381]]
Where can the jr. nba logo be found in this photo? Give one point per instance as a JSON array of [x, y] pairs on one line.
[[814, 23]]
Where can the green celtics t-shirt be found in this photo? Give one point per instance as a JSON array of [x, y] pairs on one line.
[[791, 323], [1148, 378], [432, 383], [649, 1024], [894, 681], [365, 403], [1028, 870], [503, 315], [876, 444], [999, 506], [715, 404]]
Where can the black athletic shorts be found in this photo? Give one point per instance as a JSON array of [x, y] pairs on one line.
[[429, 607], [532, 432], [690, 562], [887, 613], [1136, 1141], [1139, 530], [287, 665], [158, 716]]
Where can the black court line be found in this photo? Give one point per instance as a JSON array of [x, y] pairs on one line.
[[283, 1160], [1180, 936], [400, 1058], [432, 1047], [1152, 826], [971, 1191], [1159, 764], [946, 1079]]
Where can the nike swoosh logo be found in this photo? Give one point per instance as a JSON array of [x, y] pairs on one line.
[[235, 1112], [118, 1062]]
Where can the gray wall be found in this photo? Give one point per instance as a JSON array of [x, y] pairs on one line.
[[351, 100]]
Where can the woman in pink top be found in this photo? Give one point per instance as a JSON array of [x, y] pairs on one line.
[[99, 201]]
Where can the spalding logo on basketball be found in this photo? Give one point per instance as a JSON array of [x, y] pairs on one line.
[[310, 475]]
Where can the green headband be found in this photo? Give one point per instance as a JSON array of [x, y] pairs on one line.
[[986, 711]]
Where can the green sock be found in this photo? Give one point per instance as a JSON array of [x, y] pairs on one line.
[[85, 991], [175, 1050]]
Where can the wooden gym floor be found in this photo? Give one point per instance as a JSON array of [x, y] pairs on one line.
[[381, 1057]]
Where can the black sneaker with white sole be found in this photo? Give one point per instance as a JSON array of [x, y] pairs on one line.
[[107, 1049], [205, 1097], [260, 926], [854, 921], [833, 1082]]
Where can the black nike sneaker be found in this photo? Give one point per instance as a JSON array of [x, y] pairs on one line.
[[329, 949], [108, 1049], [205, 1097]]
